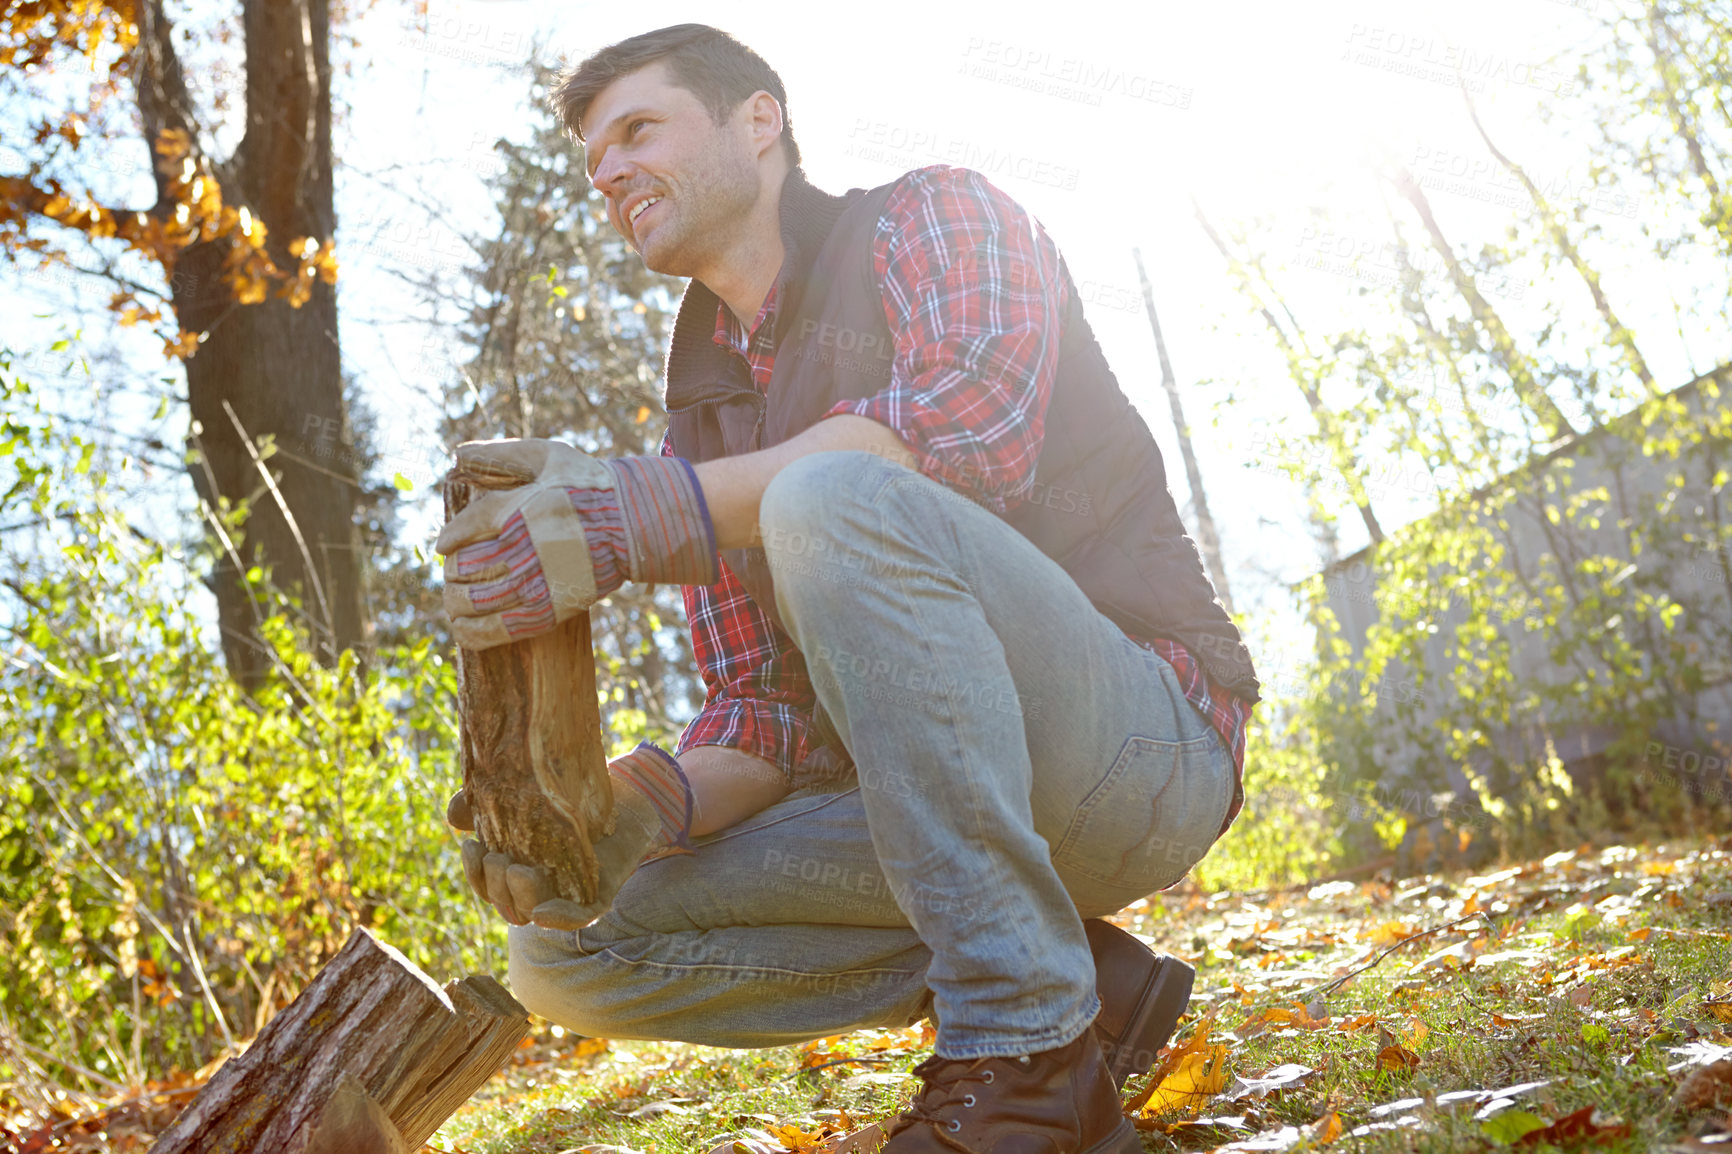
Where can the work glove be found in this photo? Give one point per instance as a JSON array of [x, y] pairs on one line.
[[570, 530], [653, 810]]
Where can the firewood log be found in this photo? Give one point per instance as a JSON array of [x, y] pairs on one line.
[[534, 764], [372, 1057]]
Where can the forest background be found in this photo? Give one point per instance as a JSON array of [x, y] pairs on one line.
[[1410, 275]]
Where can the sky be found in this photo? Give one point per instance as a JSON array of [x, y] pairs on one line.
[[1105, 121]]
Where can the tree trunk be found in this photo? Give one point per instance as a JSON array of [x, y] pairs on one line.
[[1207, 538], [266, 370], [372, 1047], [1503, 347], [1560, 237], [1299, 362], [534, 765]]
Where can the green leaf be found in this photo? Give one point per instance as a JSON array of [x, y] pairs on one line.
[[1511, 1125], [1595, 1034], [402, 482]]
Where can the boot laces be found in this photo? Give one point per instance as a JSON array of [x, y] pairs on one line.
[[945, 1085]]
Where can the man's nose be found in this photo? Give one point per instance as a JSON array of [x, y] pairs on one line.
[[612, 177]]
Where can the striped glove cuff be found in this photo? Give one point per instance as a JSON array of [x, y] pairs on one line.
[[654, 773], [669, 537]]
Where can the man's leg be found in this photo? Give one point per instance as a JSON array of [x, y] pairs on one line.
[[785, 928], [1018, 758], [777, 930]]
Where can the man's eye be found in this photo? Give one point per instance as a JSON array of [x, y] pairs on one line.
[[631, 129]]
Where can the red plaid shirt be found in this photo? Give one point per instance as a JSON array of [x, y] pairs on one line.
[[974, 290]]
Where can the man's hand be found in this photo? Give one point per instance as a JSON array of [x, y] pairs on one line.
[[570, 530], [653, 809]]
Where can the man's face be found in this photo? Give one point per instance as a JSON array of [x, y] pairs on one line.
[[676, 182]]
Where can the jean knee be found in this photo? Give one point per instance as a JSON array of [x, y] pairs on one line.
[[801, 501], [552, 978]]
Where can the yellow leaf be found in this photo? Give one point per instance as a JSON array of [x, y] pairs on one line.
[[1387, 934], [643, 413], [1199, 1075], [1721, 1010]]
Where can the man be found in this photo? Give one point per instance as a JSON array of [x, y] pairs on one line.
[[968, 684]]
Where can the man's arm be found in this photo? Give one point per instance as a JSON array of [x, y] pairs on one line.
[[734, 486], [729, 785]]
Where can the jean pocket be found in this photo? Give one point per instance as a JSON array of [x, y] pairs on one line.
[[1152, 817]]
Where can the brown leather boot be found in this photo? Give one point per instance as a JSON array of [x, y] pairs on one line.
[[1142, 995], [1058, 1101]]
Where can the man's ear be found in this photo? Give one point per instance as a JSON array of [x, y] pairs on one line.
[[764, 120]]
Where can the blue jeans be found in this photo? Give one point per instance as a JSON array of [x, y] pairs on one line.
[[1020, 765]]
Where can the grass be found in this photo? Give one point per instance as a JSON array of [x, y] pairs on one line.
[[1590, 972]]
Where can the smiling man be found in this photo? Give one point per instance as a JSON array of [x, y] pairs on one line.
[[969, 688]]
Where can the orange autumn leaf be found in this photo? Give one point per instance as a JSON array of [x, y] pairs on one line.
[[1326, 1129], [1397, 1059]]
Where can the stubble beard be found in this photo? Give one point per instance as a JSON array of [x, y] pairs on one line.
[[718, 193]]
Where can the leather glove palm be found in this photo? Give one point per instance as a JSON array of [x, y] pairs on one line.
[[653, 810]]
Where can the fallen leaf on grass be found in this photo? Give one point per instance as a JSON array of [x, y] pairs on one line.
[[1326, 1129], [1720, 1009], [1198, 1076], [1504, 1020], [1186, 1076], [1387, 934], [1295, 1016], [796, 1138], [1707, 1086], [864, 1139], [1575, 1128], [1285, 1138], [1201, 1129], [1511, 1126], [1397, 1058], [1281, 1078]]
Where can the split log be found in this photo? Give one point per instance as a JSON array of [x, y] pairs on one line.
[[534, 763], [370, 1059]]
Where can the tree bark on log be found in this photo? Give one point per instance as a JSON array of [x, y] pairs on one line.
[[371, 1028], [534, 765]]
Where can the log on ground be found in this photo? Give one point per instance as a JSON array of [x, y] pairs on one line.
[[371, 1023]]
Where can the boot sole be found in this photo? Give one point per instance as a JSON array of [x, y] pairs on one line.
[[1165, 996], [1124, 1140]]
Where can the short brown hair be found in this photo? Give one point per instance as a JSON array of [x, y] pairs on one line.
[[707, 62]]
